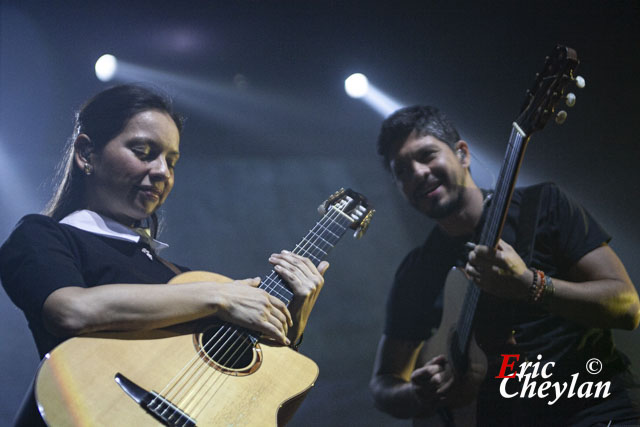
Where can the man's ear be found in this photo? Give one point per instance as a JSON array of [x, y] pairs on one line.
[[462, 152], [83, 150]]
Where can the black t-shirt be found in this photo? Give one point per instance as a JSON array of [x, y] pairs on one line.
[[42, 255], [564, 233]]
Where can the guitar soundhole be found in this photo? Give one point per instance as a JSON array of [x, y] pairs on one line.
[[229, 350]]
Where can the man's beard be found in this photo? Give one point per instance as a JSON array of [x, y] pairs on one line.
[[443, 211]]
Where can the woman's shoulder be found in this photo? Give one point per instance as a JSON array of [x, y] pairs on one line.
[[35, 222], [36, 219], [34, 227]]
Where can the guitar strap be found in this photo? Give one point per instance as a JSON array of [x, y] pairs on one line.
[[171, 266], [528, 220], [146, 240]]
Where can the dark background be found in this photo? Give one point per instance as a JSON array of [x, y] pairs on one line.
[[271, 133]]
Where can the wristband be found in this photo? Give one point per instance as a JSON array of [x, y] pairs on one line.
[[549, 290]]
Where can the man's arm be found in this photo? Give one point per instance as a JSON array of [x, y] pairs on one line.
[[400, 390], [599, 292]]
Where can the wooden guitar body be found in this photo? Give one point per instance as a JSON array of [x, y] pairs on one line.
[[205, 372], [75, 383], [463, 407]]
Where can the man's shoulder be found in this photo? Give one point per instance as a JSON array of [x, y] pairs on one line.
[[542, 188], [546, 195], [419, 255]]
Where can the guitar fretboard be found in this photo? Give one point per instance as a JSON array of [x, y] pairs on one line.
[[315, 246], [491, 232]]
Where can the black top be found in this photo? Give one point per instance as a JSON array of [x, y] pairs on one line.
[[564, 233], [42, 255]]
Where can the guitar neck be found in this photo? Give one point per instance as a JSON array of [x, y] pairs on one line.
[[492, 229], [548, 89], [315, 246], [491, 232]]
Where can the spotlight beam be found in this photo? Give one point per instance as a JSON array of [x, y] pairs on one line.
[[358, 86]]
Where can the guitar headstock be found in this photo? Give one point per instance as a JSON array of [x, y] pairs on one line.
[[549, 89], [353, 205]]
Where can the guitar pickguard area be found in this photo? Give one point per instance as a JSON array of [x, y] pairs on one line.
[[229, 350]]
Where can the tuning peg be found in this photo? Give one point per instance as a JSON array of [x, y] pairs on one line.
[[364, 225], [570, 100], [561, 117], [580, 82]]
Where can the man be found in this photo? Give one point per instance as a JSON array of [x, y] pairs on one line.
[[560, 308]]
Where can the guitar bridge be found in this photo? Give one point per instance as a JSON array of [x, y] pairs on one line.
[[155, 404]]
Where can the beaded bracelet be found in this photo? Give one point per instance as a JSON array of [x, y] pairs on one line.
[[534, 284], [537, 287], [541, 288]]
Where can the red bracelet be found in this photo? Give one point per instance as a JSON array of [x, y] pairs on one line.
[[538, 286], [534, 284], [541, 286]]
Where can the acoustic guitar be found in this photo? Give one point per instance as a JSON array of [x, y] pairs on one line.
[[455, 337], [221, 375]]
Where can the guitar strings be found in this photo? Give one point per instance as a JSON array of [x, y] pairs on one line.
[[309, 242], [271, 286], [243, 338], [500, 198], [271, 278]]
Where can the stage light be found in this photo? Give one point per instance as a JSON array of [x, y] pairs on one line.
[[106, 67], [356, 85]]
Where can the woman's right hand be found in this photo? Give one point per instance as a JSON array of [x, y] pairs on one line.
[[241, 302]]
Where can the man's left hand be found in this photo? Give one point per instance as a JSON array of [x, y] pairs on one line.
[[500, 271]]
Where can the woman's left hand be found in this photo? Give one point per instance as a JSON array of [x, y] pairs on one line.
[[500, 271], [305, 281]]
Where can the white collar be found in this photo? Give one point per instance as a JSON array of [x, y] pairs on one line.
[[95, 223]]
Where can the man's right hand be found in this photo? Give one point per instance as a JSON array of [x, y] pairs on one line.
[[431, 382]]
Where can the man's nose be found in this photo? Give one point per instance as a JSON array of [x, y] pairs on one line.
[[419, 169]]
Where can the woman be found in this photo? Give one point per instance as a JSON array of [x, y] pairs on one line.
[[86, 266]]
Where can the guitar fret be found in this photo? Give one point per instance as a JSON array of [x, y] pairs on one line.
[[316, 259], [312, 245], [315, 246], [319, 236], [326, 228], [274, 285]]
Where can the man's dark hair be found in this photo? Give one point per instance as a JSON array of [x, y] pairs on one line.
[[423, 119]]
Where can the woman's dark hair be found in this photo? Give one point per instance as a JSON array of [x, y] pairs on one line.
[[102, 118], [423, 119]]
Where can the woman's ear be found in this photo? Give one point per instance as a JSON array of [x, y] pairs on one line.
[[83, 150]]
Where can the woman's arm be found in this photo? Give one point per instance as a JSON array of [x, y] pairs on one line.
[[72, 311]]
